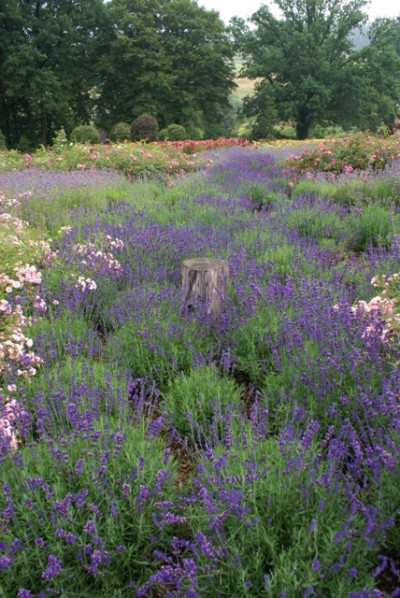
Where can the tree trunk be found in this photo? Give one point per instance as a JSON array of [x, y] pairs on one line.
[[43, 129], [304, 124], [204, 282]]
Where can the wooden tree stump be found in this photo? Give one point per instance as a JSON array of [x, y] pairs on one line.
[[204, 280]]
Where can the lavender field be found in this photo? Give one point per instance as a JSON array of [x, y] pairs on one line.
[[152, 453]]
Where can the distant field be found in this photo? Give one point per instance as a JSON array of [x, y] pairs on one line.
[[245, 87]]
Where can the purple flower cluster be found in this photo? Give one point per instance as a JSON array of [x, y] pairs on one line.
[[45, 183]]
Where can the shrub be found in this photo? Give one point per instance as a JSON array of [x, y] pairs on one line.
[[358, 151], [85, 134], [262, 128], [173, 132], [144, 127], [120, 132], [24, 144], [194, 133], [60, 141], [215, 131], [373, 227], [193, 400]]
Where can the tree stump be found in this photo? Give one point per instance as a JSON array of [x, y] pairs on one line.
[[204, 282]]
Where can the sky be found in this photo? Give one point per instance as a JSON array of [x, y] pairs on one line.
[[245, 8]]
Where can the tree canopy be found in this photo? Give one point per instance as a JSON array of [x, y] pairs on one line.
[[172, 59], [305, 63], [71, 62], [48, 55]]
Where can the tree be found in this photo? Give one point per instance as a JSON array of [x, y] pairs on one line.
[[135, 71], [201, 61], [261, 105], [397, 43], [375, 78], [307, 57], [169, 58], [48, 53]]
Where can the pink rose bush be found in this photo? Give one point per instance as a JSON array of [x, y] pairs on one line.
[[13, 416], [17, 358], [384, 307], [358, 152]]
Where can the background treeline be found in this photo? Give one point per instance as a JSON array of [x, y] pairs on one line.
[[65, 63], [70, 62]]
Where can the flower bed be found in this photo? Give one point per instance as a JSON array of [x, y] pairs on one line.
[[164, 453]]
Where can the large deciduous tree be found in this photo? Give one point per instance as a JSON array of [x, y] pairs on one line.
[[397, 45], [375, 78], [306, 60], [48, 54], [169, 58]]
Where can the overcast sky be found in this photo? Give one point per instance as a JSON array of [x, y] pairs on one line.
[[245, 8]]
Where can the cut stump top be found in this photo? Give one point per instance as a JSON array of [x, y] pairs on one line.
[[205, 263]]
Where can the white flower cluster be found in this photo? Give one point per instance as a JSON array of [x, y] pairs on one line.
[[9, 203], [115, 243], [44, 248], [12, 221], [95, 259], [384, 306], [65, 230], [85, 284]]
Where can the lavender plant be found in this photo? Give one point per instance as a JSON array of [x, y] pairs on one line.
[[77, 511], [191, 403]]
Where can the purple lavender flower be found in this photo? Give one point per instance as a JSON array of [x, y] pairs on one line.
[[5, 562], [352, 572], [80, 497], [90, 527], [54, 567], [316, 565]]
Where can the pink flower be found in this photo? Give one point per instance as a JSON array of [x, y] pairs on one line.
[[133, 157], [9, 432], [28, 274], [5, 306], [81, 166]]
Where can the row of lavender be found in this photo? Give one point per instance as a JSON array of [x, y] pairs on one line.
[[161, 454]]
